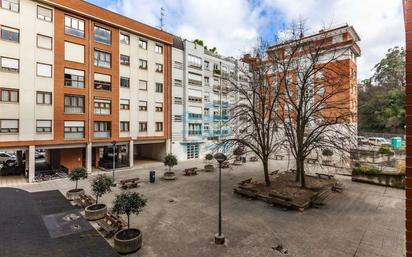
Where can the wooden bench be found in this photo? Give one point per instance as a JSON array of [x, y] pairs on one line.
[[84, 200], [278, 157], [312, 160], [324, 176], [129, 183], [320, 197], [225, 164], [338, 187], [110, 224], [190, 171], [253, 159], [246, 181]]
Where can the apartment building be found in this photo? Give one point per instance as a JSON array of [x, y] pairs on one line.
[[200, 98], [76, 80]]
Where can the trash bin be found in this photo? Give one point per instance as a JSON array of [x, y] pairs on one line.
[[396, 142], [152, 176], [243, 159]]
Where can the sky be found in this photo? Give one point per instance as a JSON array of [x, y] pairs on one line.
[[233, 26]]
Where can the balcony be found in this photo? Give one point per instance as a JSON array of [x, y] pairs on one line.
[[194, 116], [217, 72], [194, 132]]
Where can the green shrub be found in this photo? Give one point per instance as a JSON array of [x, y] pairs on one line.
[[129, 203], [101, 185], [365, 171], [385, 150], [209, 157], [77, 173], [170, 161]]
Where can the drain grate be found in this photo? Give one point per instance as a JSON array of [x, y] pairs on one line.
[[280, 249]]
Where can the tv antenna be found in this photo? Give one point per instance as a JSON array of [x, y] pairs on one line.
[[162, 14]]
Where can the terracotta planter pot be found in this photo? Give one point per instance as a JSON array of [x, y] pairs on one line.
[[209, 168], [95, 211], [169, 175], [128, 240], [74, 194]]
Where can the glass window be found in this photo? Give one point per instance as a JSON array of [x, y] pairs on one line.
[[142, 105], [159, 67], [44, 70], [12, 5], [9, 64], [9, 95], [102, 129], [194, 61], [192, 151], [43, 126], [125, 39], [44, 42], [44, 13], [9, 126], [142, 126], [159, 87], [142, 64], [73, 78], [102, 59], [73, 104], [10, 34], [159, 49], [158, 107], [142, 43], [159, 126], [44, 98], [102, 106], [124, 104], [124, 82], [73, 129], [142, 84], [124, 60], [124, 126], [102, 35], [74, 26]]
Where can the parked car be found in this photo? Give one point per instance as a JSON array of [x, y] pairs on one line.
[[7, 159], [378, 141], [362, 140], [39, 154]]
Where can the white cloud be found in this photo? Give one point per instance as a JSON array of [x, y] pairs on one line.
[[233, 25]]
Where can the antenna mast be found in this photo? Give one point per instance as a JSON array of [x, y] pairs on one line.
[[162, 14]]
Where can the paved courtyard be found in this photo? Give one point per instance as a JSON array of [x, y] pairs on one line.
[[363, 221]]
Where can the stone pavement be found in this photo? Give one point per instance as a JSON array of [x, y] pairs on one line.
[[363, 221]]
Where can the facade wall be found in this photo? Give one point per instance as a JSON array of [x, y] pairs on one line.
[[72, 157]]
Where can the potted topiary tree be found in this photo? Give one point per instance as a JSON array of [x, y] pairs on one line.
[[170, 161], [386, 150], [75, 175], [100, 186], [209, 165], [130, 239]]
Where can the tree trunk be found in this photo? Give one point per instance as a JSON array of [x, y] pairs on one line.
[[300, 172], [297, 178], [128, 221], [97, 198], [266, 171], [76, 183]]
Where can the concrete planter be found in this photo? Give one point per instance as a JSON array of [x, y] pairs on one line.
[[74, 194], [383, 179], [95, 211], [209, 168], [128, 240], [169, 175]]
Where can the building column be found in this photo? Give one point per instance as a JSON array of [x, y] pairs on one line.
[[89, 157], [19, 157], [168, 146], [131, 154], [31, 162]]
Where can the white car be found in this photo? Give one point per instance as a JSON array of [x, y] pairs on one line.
[[378, 141], [7, 158]]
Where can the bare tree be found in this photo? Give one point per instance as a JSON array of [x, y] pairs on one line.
[[253, 116], [314, 93]]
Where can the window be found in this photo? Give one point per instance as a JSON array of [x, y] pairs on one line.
[[73, 52], [337, 39], [124, 60], [159, 67], [195, 95], [177, 82], [194, 61], [43, 126], [44, 97], [177, 118], [102, 129], [44, 13], [142, 43], [102, 82], [142, 64], [206, 97], [73, 104], [195, 129], [178, 65], [159, 49], [206, 63], [124, 82], [142, 105], [44, 42], [44, 70], [142, 84], [73, 26], [142, 126], [195, 79], [73, 78], [206, 112], [12, 5], [159, 126], [192, 151], [9, 126], [9, 95], [73, 129], [124, 104], [124, 126], [10, 34], [9, 64], [158, 107], [102, 59], [159, 87], [102, 35], [207, 81], [102, 106], [178, 100], [125, 39]]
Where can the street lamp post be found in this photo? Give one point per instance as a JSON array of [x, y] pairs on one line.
[[114, 159], [219, 237]]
